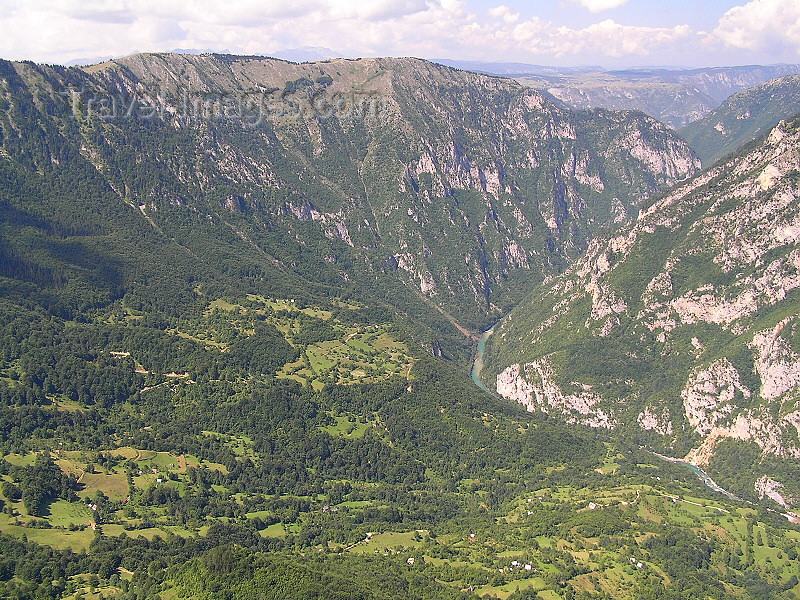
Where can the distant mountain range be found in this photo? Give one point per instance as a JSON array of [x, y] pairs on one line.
[[512, 69], [675, 96], [306, 54]]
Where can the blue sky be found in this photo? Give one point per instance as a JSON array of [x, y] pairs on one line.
[[609, 33]]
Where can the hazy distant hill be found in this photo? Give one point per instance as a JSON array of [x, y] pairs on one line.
[[306, 54], [513, 69]]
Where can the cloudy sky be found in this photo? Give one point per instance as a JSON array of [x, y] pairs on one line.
[[610, 33]]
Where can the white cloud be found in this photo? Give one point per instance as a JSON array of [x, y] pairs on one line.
[[596, 6], [58, 30], [769, 25], [505, 13], [613, 39], [376, 10], [532, 31], [600, 40]]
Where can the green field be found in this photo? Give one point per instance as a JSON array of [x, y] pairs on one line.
[[348, 426], [61, 515], [390, 542], [359, 357], [505, 590], [491, 562], [359, 354]]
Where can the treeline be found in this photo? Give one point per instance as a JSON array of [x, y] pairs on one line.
[[37, 484]]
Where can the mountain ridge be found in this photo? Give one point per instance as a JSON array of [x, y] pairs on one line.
[[745, 116], [676, 97], [437, 158]]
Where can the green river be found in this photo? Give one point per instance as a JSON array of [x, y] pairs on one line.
[[477, 366]]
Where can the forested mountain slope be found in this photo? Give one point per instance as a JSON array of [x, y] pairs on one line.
[[743, 117], [222, 329], [681, 329], [416, 182]]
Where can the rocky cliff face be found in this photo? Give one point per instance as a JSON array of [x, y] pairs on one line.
[[537, 390], [386, 173], [683, 327]]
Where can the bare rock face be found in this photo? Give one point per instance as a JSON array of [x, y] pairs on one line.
[[777, 364], [766, 487], [685, 325], [711, 394], [538, 391], [650, 420]]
